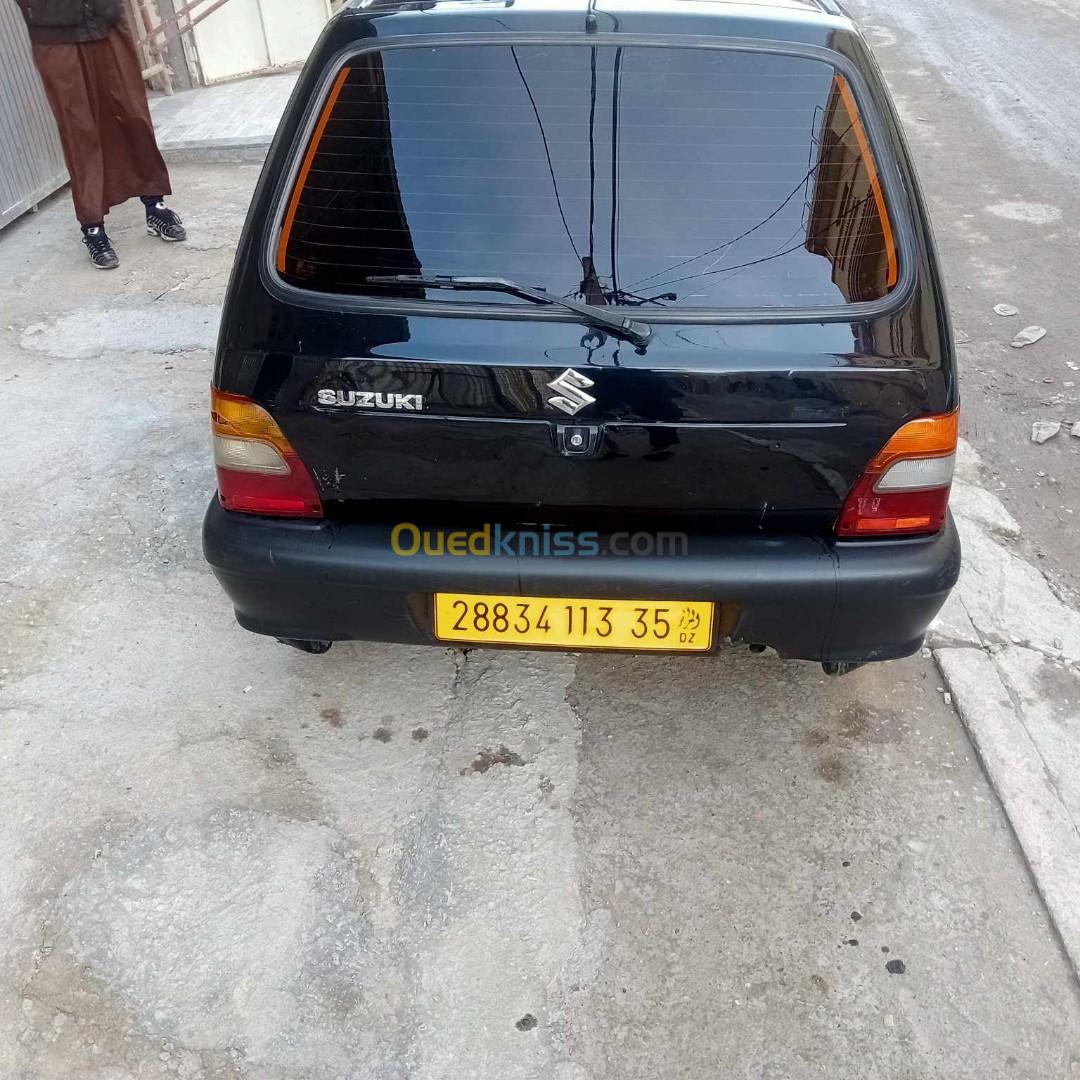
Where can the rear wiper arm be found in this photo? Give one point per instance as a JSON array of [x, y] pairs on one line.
[[637, 332]]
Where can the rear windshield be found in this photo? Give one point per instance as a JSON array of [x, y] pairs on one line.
[[630, 176]]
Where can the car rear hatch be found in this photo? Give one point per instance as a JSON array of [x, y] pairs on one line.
[[744, 202], [765, 446]]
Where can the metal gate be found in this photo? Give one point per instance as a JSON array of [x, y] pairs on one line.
[[31, 161]]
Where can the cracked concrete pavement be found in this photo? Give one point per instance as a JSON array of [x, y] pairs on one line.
[[1009, 650], [989, 92], [222, 858]]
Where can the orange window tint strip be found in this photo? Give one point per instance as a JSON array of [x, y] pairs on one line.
[[305, 168], [875, 181]]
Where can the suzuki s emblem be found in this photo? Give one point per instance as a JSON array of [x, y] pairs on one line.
[[571, 396]]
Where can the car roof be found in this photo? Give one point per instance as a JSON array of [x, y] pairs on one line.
[[813, 11], [798, 5]]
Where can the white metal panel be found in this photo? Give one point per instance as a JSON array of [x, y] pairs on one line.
[[31, 161], [292, 28], [245, 36], [231, 41]]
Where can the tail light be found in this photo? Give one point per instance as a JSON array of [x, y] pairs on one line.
[[904, 491], [258, 470]]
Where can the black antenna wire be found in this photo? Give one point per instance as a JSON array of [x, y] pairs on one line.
[[592, 154], [590, 289], [547, 151], [616, 82]]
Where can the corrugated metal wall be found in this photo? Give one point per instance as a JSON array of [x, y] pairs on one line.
[[31, 161]]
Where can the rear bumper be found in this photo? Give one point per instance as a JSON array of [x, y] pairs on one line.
[[807, 599]]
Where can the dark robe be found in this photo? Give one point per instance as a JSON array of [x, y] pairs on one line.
[[96, 91]]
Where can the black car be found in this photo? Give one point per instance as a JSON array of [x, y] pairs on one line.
[[559, 325]]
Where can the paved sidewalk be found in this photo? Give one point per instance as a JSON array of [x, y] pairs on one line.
[[988, 87], [233, 121], [1009, 651]]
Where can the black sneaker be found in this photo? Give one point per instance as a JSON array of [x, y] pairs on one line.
[[98, 244], [165, 223]]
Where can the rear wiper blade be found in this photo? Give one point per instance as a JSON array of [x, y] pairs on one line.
[[637, 332]]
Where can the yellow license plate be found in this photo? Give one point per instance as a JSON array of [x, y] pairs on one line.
[[566, 623]]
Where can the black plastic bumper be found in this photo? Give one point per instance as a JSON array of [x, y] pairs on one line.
[[808, 599]]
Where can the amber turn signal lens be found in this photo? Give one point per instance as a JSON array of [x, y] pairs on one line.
[[237, 417], [930, 436]]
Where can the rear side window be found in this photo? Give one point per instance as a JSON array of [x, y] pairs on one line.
[[633, 175]]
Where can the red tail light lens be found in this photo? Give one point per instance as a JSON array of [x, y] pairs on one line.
[[258, 470], [904, 491]]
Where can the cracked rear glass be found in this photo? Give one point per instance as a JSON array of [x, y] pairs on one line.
[[631, 176]]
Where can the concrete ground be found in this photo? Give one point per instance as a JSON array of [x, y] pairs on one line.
[[221, 858], [224, 859], [990, 94], [229, 120]]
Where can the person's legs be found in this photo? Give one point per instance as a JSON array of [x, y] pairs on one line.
[[72, 98], [134, 165], [99, 101]]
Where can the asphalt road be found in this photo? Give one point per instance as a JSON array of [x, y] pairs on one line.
[[990, 94], [222, 859]]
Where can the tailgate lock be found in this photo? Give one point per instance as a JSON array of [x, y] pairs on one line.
[[578, 440]]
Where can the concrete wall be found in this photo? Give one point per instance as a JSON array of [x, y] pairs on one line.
[[245, 36]]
